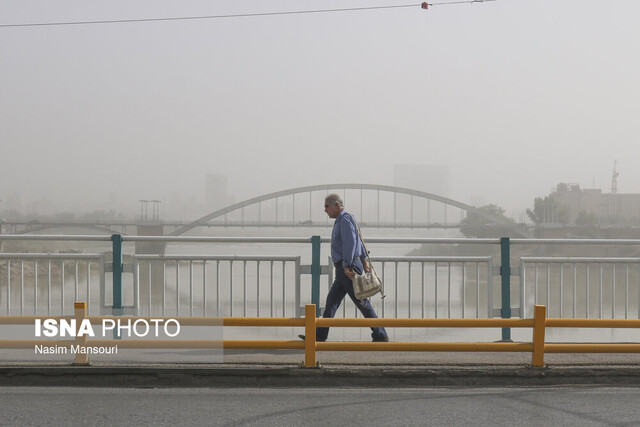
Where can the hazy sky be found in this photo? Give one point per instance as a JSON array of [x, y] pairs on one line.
[[513, 95]]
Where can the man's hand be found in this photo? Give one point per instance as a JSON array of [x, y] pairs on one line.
[[365, 265], [349, 272]]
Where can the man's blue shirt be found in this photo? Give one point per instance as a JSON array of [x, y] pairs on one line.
[[346, 245]]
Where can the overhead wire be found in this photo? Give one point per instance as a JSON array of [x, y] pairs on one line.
[[424, 5]]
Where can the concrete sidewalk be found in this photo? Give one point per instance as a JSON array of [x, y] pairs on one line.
[[281, 368], [419, 358]]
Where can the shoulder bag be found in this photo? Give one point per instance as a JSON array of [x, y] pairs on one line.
[[367, 284]]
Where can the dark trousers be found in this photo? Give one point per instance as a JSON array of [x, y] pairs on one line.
[[342, 286]]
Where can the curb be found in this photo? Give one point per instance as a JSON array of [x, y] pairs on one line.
[[131, 377]]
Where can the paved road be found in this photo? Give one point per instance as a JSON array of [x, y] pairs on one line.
[[567, 406]]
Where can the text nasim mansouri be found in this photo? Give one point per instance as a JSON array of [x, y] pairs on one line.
[[74, 349]]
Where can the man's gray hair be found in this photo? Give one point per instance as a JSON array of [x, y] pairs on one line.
[[333, 198]]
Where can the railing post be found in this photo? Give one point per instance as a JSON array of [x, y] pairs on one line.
[[82, 358], [117, 274], [315, 272], [539, 322], [309, 336], [505, 291]]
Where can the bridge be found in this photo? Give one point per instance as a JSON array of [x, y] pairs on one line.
[[376, 206]]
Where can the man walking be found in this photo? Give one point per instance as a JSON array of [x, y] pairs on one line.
[[348, 256]]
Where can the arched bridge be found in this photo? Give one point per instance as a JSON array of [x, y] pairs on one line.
[[378, 206], [36, 227]]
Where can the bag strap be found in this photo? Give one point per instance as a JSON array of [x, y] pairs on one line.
[[361, 239], [367, 252]]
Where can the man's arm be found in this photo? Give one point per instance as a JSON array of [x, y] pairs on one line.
[[348, 234]]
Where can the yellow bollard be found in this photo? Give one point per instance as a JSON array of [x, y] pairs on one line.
[[310, 336], [81, 342], [539, 320]]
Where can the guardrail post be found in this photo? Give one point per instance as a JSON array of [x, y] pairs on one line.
[[310, 336], [117, 274], [505, 275], [539, 321], [82, 359], [315, 272]]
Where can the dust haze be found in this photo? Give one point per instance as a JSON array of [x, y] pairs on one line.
[[510, 97]]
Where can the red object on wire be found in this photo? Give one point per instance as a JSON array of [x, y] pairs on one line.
[[425, 5]]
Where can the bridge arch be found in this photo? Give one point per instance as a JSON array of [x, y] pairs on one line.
[[332, 187]]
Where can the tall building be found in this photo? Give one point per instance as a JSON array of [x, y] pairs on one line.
[[14, 203], [432, 179], [216, 191]]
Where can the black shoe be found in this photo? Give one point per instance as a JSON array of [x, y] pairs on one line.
[[381, 339], [302, 338]]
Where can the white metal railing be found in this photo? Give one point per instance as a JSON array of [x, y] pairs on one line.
[[234, 285], [435, 286], [432, 286], [18, 287], [455, 287], [551, 275], [237, 283], [170, 268]]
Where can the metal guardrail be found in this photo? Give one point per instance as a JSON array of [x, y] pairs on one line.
[[556, 289], [175, 262], [173, 290], [425, 272], [204, 284], [537, 347], [57, 260], [580, 290], [403, 277]]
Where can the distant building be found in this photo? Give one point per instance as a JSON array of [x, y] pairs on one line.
[[604, 208], [432, 179], [14, 203], [216, 191]]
